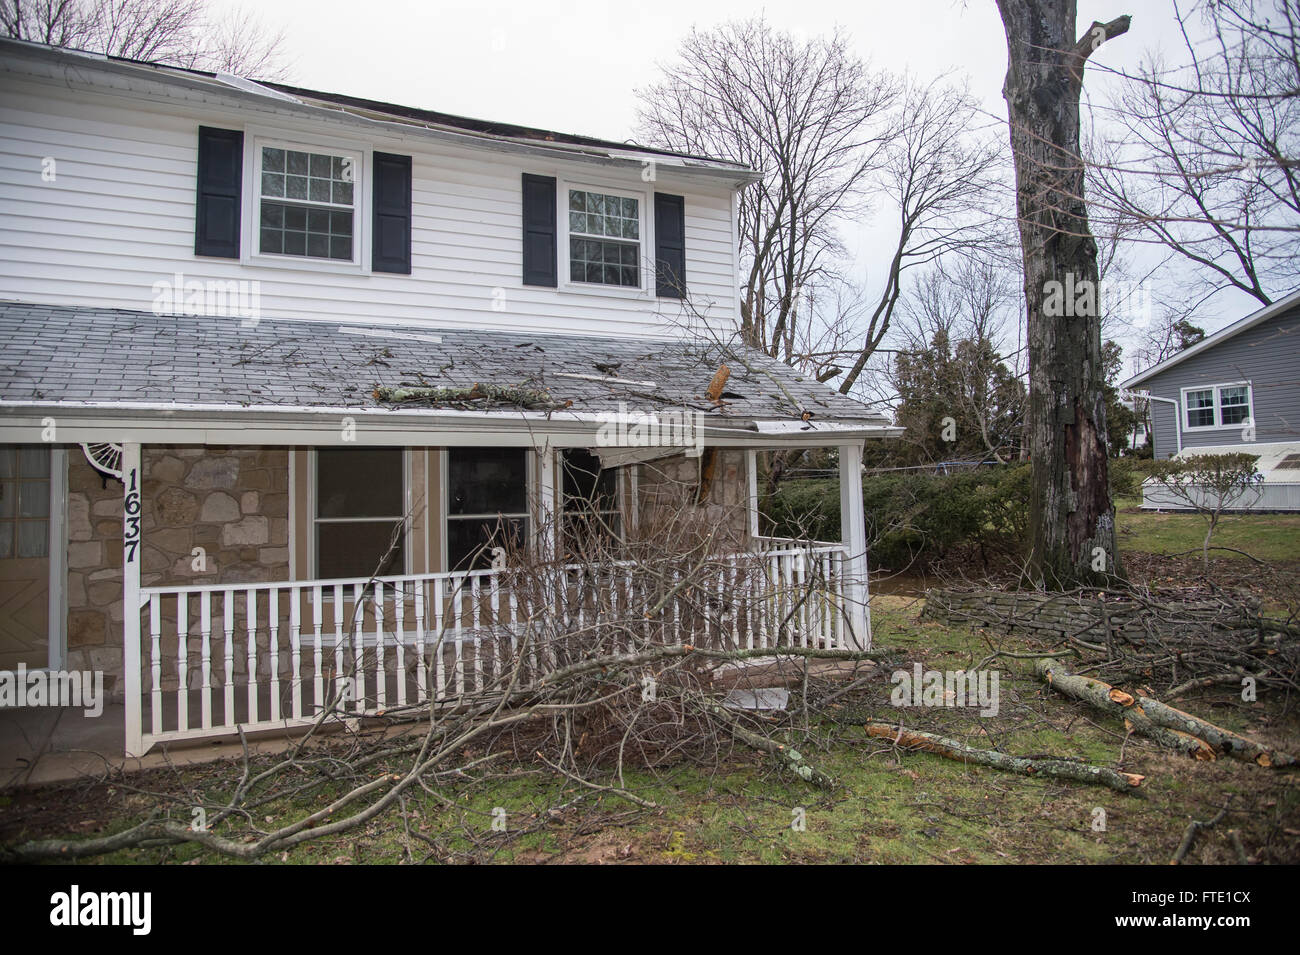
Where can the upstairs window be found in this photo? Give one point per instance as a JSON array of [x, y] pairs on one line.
[[307, 203], [1200, 408], [1234, 404], [604, 239], [1218, 406]]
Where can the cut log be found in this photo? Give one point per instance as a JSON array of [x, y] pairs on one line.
[[1165, 725], [531, 398], [1224, 740], [1117, 703], [1024, 765]]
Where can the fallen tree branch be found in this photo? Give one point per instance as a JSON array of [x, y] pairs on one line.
[[1023, 765], [531, 398], [1163, 724], [1193, 827]]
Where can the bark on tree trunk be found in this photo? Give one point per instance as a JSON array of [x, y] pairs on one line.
[[1072, 519]]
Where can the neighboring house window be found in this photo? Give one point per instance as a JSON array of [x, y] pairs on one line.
[[24, 502], [487, 504], [1234, 404], [307, 203], [1200, 408], [359, 501], [589, 502], [1219, 406], [604, 239]]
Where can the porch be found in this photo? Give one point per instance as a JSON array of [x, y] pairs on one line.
[[217, 659], [224, 583]]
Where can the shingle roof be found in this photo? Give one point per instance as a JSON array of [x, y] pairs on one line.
[[81, 354]]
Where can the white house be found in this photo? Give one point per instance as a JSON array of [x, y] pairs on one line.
[[260, 339]]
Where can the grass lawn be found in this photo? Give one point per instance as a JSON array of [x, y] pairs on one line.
[[1269, 537], [889, 806]]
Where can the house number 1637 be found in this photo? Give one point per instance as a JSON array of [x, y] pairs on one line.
[[131, 540]]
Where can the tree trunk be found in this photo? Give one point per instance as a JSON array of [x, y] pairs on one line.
[[1072, 519]]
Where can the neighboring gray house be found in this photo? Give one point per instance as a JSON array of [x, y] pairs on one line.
[[1237, 390]]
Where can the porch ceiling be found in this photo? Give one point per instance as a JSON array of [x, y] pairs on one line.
[[183, 379]]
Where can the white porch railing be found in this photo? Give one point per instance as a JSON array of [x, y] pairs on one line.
[[215, 658]]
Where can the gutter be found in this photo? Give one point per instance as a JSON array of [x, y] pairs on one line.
[[24, 422]]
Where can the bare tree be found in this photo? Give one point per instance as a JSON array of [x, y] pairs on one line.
[[808, 115], [833, 140], [186, 33], [961, 391], [1203, 156], [941, 181], [1072, 518]]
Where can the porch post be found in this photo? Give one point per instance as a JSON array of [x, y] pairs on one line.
[[853, 533], [751, 471], [131, 544], [548, 531], [548, 491]]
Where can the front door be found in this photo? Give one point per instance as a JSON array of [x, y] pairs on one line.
[[24, 556]]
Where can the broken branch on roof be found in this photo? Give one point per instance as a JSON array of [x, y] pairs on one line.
[[532, 399]]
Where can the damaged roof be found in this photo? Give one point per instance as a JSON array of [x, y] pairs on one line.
[[101, 356]]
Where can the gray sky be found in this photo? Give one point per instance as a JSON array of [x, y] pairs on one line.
[[572, 65]]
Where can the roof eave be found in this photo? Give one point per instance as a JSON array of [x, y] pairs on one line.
[[152, 423], [1222, 335], [216, 90]]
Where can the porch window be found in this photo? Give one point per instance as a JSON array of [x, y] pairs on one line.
[[1219, 406], [24, 501], [359, 502], [589, 503], [604, 239], [487, 504], [307, 203]]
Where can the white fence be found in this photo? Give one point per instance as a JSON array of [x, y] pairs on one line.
[[216, 658]]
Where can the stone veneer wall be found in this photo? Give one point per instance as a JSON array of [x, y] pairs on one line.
[[668, 481], [232, 502]]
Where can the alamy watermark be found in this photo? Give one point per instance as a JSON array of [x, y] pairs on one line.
[[209, 298], [77, 908], [1084, 298], [654, 429], [955, 688], [74, 688]]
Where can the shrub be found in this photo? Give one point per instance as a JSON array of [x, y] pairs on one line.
[[915, 519]]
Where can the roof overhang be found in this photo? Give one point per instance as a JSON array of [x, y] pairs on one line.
[[1222, 335], [128, 78], [29, 422]]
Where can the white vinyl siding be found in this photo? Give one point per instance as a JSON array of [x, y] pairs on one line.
[[118, 217]]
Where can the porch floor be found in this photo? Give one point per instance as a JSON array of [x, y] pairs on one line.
[[40, 745]]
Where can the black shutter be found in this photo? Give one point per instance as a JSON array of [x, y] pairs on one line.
[[670, 246], [390, 245], [539, 230], [220, 179]]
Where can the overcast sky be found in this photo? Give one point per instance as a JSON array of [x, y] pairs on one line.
[[573, 65]]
